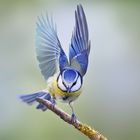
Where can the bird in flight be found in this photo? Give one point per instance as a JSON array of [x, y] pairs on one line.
[[64, 75]]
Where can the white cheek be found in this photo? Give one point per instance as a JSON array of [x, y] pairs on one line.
[[77, 85], [60, 84]]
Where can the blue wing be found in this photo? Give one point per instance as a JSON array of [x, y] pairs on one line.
[[48, 48], [80, 44]]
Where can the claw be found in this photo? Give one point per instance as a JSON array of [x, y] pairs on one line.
[[73, 118]]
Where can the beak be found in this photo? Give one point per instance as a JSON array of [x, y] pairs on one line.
[[68, 89]]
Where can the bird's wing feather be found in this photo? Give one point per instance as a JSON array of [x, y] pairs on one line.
[[48, 48], [80, 44]]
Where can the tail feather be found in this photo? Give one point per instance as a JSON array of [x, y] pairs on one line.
[[31, 98]]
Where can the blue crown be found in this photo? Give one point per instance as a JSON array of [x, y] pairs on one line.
[[69, 75]]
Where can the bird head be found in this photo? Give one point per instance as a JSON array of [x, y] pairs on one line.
[[69, 80]]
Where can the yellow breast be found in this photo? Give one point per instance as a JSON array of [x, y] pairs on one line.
[[58, 93]]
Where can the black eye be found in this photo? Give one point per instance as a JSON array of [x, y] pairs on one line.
[[74, 83]]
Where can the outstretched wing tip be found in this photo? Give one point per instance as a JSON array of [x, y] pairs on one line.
[[80, 44], [46, 43], [79, 5]]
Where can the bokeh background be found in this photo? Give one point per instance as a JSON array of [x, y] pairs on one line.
[[111, 98]]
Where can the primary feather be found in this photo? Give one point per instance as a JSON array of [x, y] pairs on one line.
[[80, 44], [31, 98], [48, 48]]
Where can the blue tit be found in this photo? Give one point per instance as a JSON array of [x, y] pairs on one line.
[[64, 75]]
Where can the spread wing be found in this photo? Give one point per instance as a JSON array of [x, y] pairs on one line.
[[80, 44], [49, 51]]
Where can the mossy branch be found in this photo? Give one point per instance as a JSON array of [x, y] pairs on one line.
[[83, 128]]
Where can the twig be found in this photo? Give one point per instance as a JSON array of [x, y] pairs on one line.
[[83, 128]]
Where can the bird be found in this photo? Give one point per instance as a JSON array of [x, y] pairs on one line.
[[64, 75]]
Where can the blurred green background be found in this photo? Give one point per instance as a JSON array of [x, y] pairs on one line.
[[111, 97]]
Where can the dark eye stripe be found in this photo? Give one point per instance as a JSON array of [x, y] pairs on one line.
[[75, 82], [60, 88], [62, 81], [64, 84]]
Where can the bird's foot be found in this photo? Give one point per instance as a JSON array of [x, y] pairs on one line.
[[73, 118]]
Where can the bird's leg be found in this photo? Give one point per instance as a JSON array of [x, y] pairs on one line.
[[73, 116]]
